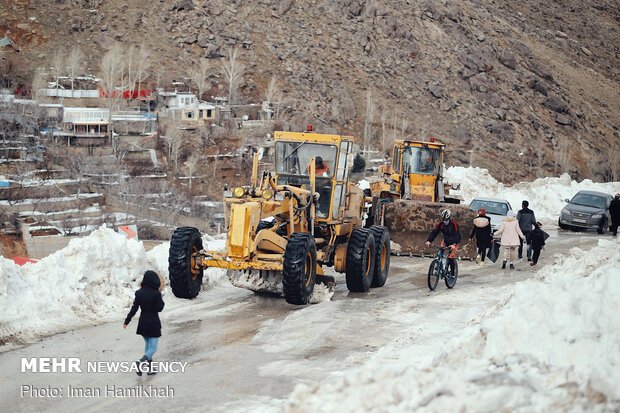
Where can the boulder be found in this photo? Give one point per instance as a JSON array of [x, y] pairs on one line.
[[555, 103], [508, 59]]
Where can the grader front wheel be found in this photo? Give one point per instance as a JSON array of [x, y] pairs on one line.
[[185, 279], [299, 272]]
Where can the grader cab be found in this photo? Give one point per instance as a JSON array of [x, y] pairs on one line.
[[286, 226], [410, 194]]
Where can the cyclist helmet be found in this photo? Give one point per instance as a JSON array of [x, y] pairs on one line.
[[446, 214]]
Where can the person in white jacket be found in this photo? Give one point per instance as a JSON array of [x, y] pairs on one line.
[[511, 234]]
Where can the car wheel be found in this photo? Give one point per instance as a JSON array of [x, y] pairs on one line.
[[562, 226], [602, 228]]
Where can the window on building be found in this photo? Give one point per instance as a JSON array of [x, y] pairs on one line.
[[209, 113], [190, 115]]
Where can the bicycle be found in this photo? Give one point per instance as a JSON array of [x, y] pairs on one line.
[[439, 268]]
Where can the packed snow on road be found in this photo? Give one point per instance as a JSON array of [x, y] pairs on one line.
[[547, 340]]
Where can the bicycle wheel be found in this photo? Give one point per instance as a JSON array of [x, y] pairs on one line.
[[451, 276], [433, 274]]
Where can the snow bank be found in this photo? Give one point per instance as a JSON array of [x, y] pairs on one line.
[[552, 346], [93, 279], [546, 195]]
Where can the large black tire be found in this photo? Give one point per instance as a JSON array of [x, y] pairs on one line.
[[382, 255], [360, 260], [184, 281], [452, 275], [602, 228], [299, 272], [433, 274]]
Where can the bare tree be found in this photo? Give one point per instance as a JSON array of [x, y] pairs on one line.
[[75, 60], [144, 63], [384, 118], [403, 127], [233, 72], [540, 153], [39, 82], [192, 164], [58, 62], [77, 164], [370, 114], [112, 65], [199, 75], [562, 154]]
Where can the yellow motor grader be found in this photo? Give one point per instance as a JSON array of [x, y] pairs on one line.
[[409, 195], [286, 226]]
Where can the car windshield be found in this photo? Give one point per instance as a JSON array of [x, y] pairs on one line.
[[492, 207], [293, 158], [589, 200], [419, 160]]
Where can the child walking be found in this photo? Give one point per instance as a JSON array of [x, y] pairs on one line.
[[149, 299], [538, 241]]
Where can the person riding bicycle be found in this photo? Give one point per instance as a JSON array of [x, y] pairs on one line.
[[451, 235]]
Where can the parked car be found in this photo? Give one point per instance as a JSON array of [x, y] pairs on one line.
[[496, 208], [587, 209]]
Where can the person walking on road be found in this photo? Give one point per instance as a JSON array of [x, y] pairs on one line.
[[511, 235], [527, 220], [149, 299], [614, 211], [537, 239], [483, 234], [451, 236]]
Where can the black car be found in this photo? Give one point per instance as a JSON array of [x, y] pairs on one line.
[[587, 209]]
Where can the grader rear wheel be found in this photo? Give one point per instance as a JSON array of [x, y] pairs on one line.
[[360, 265], [185, 281], [382, 255], [299, 272]]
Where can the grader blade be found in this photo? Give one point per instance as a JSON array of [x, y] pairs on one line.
[[257, 280], [411, 222]]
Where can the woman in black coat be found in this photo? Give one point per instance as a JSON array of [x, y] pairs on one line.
[[482, 232], [148, 298]]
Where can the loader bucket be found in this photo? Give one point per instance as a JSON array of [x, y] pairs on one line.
[[411, 222]]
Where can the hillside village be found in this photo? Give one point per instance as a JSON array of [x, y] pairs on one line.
[[72, 158]]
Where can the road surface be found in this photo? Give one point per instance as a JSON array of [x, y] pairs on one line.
[[244, 349]]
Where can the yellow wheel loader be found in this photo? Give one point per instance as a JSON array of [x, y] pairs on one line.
[[286, 226], [409, 195]]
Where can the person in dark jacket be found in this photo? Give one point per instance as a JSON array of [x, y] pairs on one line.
[[451, 235], [614, 211], [149, 299], [527, 220], [483, 234], [537, 240]]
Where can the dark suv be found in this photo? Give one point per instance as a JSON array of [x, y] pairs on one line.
[[587, 209]]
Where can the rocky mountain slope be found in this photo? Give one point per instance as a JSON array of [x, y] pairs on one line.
[[520, 87]]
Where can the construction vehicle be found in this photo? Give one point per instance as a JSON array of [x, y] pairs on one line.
[[285, 227], [410, 194]]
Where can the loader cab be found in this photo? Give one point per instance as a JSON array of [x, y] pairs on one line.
[[421, 161], [295, 151]]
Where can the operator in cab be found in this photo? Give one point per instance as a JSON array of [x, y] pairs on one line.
[[320, 168]]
